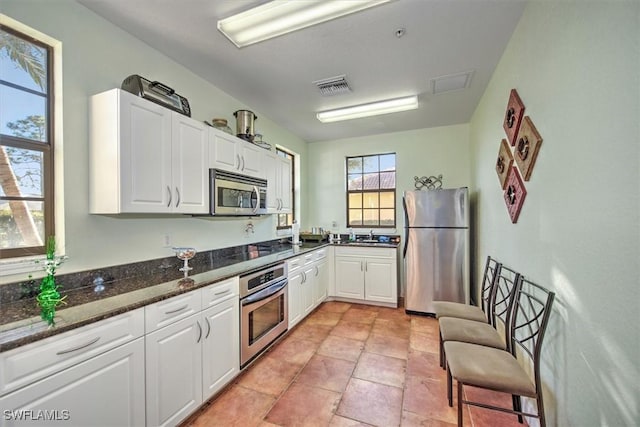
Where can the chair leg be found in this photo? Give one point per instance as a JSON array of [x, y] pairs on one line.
[[442, 362], [460, 418], [449, 388], [517, 406], [541, 417]]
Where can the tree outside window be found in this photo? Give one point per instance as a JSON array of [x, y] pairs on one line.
[[26, 144], [371, 190]]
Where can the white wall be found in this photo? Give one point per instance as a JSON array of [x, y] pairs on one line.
[[576, 66], [423, 152], [97, 56]]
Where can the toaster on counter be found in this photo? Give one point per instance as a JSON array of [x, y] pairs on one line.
[[157, 92]]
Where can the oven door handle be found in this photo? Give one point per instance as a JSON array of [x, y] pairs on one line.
[[265, 293]]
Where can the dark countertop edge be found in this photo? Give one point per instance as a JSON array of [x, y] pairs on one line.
[[22, 338]]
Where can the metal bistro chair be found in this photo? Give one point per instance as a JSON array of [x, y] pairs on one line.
[[500, 310], [471, 312], [466, 311], [498, 370]]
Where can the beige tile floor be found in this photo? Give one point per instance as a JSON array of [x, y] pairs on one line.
[[348, 365]]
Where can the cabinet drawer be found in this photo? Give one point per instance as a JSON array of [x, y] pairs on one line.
[[320, 254], [309, 258], [213, 294], [294, 264], [165, 312], [25, 365], [360, 251]]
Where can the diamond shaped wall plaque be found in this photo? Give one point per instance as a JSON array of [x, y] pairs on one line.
[[504, 162], [513, 117], [514, 194], [527, 146]]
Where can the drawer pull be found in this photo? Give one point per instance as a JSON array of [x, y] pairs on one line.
[[222, 292], [177, 309], [208, 327], [199, 332], [80, 347]]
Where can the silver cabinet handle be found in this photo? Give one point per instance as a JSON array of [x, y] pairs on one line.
[[222, 292], [304, 277], [80, 347], [238, 158], [199, 331], [178, 193], [360, 265], [366, 265], [208, 327], [317, 271], [169, 191], [177, 309], [242, 157]]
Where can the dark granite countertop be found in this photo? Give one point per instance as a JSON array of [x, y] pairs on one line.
[[20, 322]]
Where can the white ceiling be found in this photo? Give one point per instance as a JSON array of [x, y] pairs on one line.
[[275, 77]]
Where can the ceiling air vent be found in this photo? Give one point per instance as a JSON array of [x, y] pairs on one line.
[[451, 82], [333, 86]]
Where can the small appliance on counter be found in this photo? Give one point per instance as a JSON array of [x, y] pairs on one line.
[[295, 233], [156, 92]]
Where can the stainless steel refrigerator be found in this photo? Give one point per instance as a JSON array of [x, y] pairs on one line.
[[436, 247]]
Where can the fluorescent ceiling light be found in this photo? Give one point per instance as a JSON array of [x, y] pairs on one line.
[[366, 110], [279, 17]]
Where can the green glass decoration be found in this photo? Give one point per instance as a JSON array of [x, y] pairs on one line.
[[49, 298]]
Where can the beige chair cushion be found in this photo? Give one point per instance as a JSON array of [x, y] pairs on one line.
[[486, 367], [469, 331], [458, 310]]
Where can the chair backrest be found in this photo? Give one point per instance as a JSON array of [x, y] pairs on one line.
[[491, 272], [531, 311], [502, 297]]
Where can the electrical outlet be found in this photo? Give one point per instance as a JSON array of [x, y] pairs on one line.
[[166, 241]]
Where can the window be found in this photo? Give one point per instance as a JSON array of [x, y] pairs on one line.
[[26, 144], [371, 191], [285, 220]]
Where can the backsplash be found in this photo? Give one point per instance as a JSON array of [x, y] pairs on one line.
[[153, 271]]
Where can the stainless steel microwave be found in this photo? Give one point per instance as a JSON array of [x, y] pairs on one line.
[[234, 194]]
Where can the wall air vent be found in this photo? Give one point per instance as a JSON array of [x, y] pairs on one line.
[[333, 86]]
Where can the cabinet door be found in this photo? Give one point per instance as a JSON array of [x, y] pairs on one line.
[[380, 280], [295, 298], [224, 152], [106, 390], [252, 157], [174, 371], [284, 173], [308, 285], [145, 156], [190, 171], [321, 282], [220, 346], [271, 163], [349, 277]]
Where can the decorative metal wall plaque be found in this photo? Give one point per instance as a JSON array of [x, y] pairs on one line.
[[504, 162], [527, 147], [428, 183], [514, 194], [513, 117]]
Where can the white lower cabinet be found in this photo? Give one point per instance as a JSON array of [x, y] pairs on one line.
[[367, 274], [104, 386], [308, 277], [174, 372], [190, 360]]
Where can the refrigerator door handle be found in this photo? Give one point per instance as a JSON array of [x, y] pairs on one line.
[[406, 227]]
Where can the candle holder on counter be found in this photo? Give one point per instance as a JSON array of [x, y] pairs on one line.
[[185, 254]]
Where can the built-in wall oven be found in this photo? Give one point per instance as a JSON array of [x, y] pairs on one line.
[[234, 194], [264, 314]]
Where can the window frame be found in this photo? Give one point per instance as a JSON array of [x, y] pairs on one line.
[[47, 148], [376, 191], [288, 154]]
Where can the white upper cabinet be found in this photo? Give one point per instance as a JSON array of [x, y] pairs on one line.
[[145, 158], [278, 174], [232, 154]]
